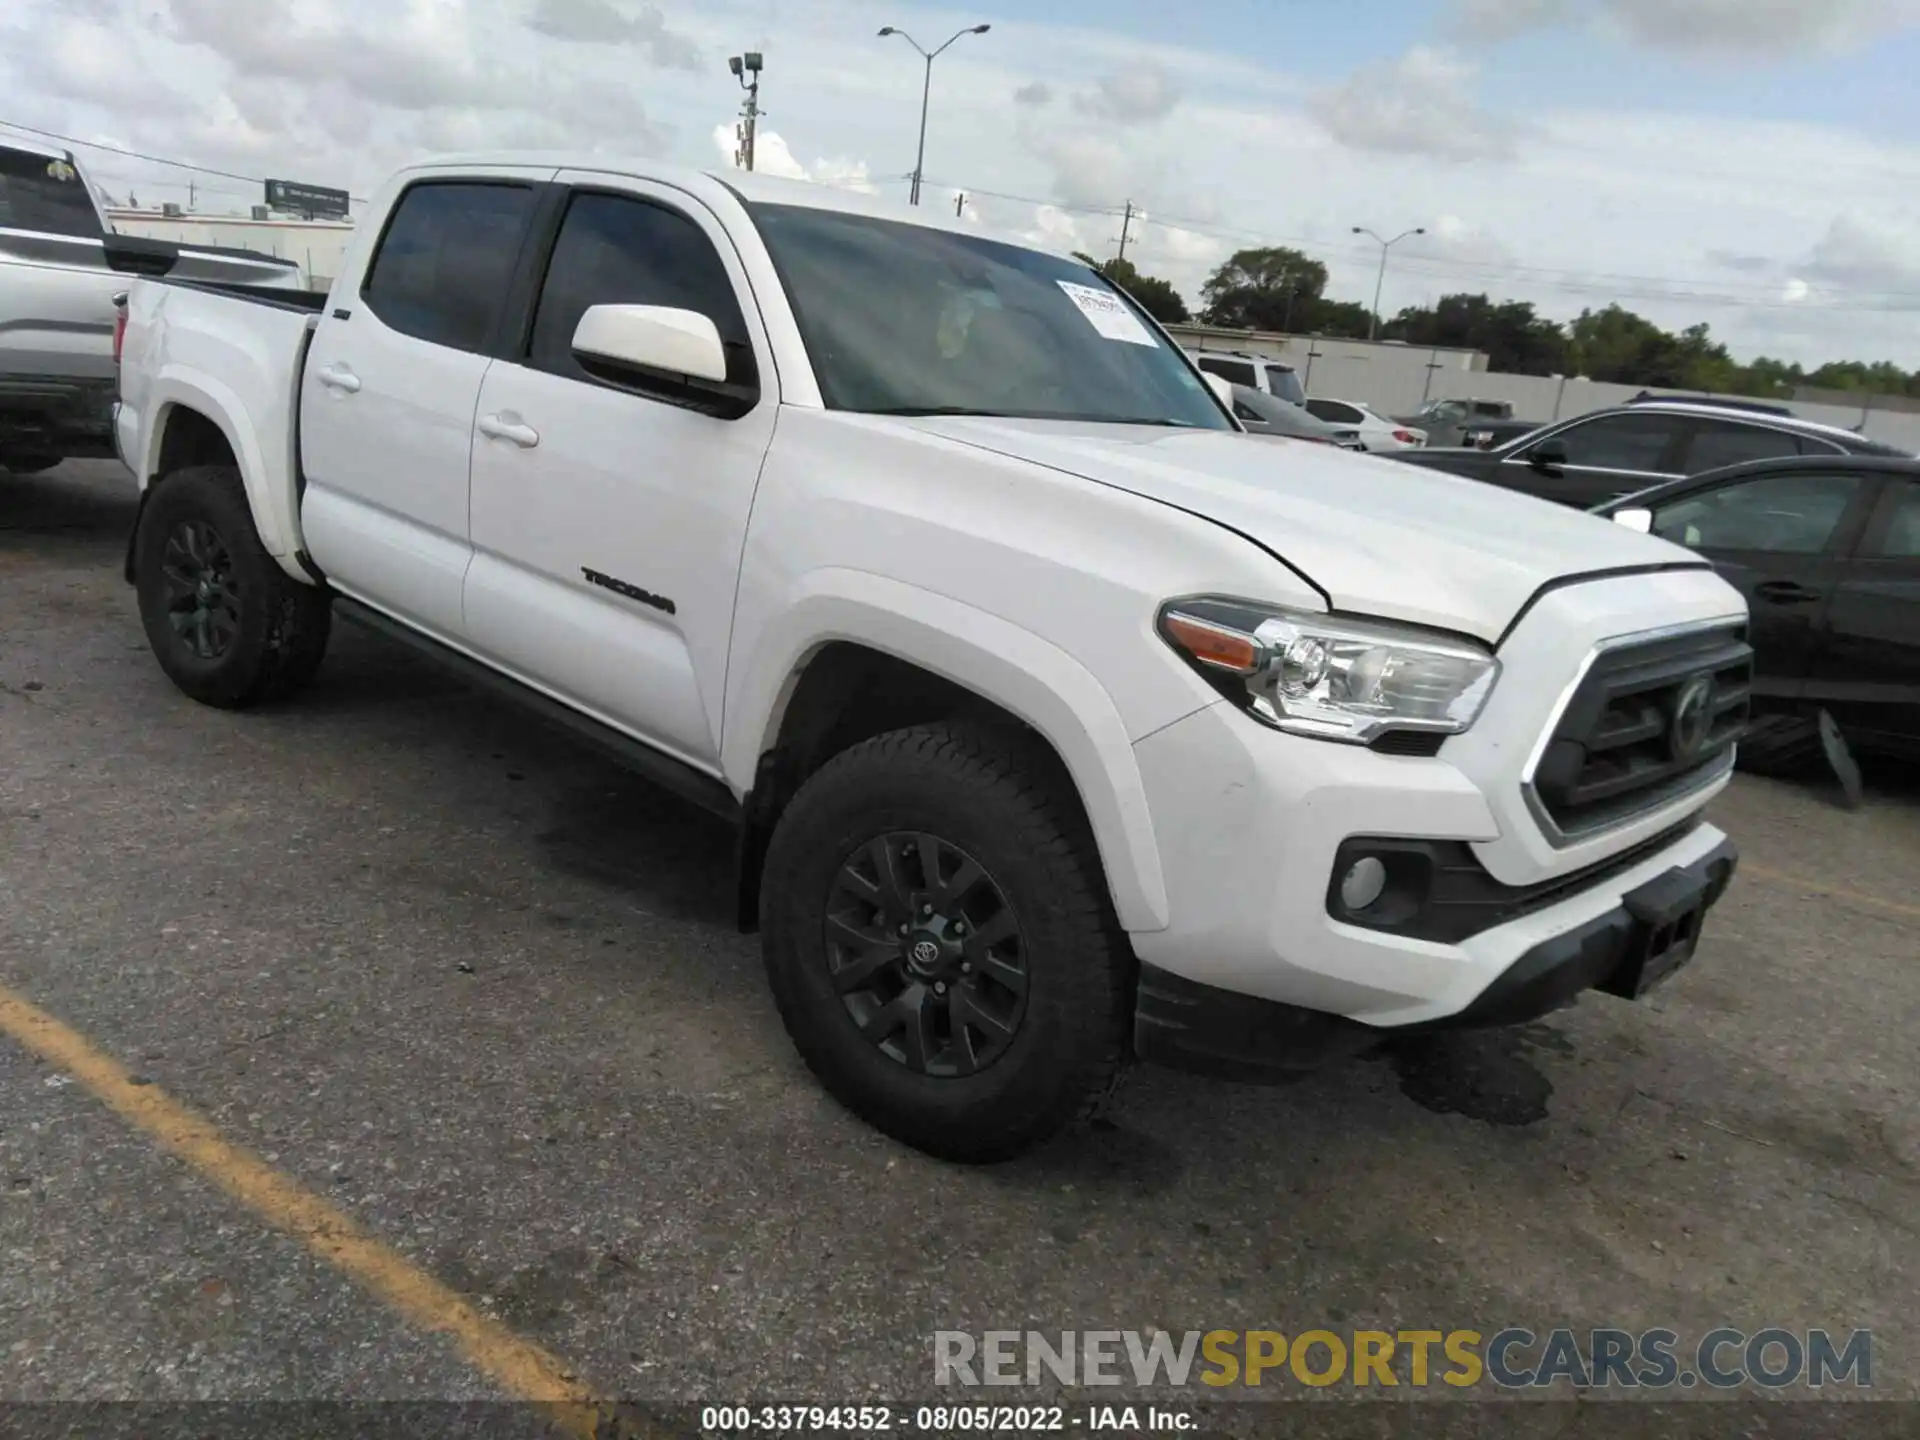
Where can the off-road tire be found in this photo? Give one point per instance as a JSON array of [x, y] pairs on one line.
[[280, 626], [999, 797]]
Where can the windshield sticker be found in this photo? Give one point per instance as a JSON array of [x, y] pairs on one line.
[[1107, 313]]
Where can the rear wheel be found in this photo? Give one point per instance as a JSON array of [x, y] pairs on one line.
[[227, 624], [939, 943]]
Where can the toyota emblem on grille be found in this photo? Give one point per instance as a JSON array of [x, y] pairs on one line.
[[1692, 718]]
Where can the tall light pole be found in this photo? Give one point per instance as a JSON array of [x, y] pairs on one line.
[[749, 127], [1373, 324], [926, 90]]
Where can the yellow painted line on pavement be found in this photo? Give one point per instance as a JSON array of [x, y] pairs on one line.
[[517, 1365], [1896, 908]]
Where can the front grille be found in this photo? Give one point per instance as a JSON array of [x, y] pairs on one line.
[[1622, 747]]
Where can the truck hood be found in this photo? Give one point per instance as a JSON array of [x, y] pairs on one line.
[[1376, 536]]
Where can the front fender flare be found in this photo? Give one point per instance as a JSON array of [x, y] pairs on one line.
[[1023, 673]]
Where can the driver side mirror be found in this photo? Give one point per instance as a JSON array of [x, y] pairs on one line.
[[1635, 517], [668, 354], [1548, 456]]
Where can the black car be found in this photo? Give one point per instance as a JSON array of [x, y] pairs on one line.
[[1600, 456], [1827, 551]]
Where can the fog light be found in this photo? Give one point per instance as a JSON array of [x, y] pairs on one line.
[[1365, 879]]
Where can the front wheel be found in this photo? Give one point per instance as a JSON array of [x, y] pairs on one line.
[[227, 624], [939, 942]]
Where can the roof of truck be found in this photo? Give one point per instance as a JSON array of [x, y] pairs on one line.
[[13, 140], [750, 186]]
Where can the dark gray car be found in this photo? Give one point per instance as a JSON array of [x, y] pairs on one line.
[[1265, 414]]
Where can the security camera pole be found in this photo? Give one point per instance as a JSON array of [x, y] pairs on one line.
[[743, 66], [926, 90], [1373, 323]]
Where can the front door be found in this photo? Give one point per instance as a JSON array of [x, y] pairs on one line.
[[1781, 540], [386, 405], [607, 518], [1867, 669]]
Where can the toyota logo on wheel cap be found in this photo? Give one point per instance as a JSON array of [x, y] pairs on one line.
[[924, 952], [1692, 718]]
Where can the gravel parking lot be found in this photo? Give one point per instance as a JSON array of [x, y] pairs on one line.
[[479, 990]]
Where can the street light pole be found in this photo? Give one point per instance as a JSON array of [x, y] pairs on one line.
[[926, 93], [1373, 323]]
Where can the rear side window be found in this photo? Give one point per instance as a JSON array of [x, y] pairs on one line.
[[1726, 442], [1238, 371], [618, 250], [1900, 540], [1333, 412], [443, 265], [1283, 382], [44, 193]]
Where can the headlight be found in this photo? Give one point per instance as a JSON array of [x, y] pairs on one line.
[[1329, 676]]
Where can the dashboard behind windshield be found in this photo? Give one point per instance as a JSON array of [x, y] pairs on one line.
[[905, 319]]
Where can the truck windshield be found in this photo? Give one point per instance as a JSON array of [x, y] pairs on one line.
[[1282, 381], [44, 193], [902, 319]]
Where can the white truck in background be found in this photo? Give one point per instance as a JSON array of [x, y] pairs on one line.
[[1060, 721], [60, 268]]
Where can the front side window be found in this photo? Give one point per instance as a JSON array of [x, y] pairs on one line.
[[1727, 442], [1900, 540], [1617, 442], [904, 319], [443, 265], [620, 250], [45, 193], [1793, 514]]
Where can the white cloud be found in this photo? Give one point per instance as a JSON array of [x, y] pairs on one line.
[[1420, 104], [773, 156], [1138, 93], [1736, 28], [1870, 257], [1034, 92], [599, 23]]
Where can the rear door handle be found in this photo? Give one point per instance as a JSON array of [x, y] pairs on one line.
[[339, 377], [499, 427], [1785, 592]]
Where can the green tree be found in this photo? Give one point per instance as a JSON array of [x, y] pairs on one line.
[[1264, 289], [1514, 338], [1155, 296]]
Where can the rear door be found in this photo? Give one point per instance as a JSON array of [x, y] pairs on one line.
[[1867, 669], [607, 518], [1607, 456], [1782, 540], [387, 397]]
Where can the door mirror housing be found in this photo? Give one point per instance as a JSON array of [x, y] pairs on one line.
[[676, 356], [652, 337], [1635, 517], [1548, 456]]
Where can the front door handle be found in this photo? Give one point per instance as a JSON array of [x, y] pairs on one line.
[[339, 377], [1785, 592], [500, 427]]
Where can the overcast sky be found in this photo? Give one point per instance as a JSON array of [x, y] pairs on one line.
[[1751, 163]]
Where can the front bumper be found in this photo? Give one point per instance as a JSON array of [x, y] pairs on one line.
[[1623, 951]]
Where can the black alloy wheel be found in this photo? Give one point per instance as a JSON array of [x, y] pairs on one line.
[[203, 594], [926, 954]]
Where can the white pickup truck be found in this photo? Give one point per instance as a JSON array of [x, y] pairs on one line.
[[1061, 721]]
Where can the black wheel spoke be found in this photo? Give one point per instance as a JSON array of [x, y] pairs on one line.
[[966, 1057], [202, 601], [1011, 976], [994, 931], [866, 956], [948, 891], [895, 901]]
